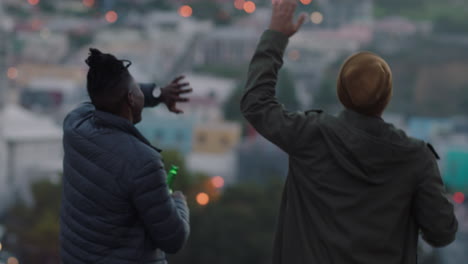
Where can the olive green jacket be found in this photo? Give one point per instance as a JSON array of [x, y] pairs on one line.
[[358, 189]]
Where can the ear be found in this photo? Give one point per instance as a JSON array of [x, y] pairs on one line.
[[131, 98]]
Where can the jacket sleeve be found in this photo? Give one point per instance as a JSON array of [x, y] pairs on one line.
[[147, 89], [259, 104], [434, 212], [166, 219]]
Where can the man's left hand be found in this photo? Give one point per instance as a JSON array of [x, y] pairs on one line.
[[171, 94]]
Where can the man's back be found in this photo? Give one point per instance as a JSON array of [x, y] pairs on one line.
[[354, 195], [358, 190], [115, 207]]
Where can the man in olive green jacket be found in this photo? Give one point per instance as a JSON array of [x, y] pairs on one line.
[[358, 189]]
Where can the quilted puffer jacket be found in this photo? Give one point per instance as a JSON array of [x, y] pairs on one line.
[[116, 207]]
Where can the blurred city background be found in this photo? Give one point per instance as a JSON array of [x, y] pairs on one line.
[[232, 176]]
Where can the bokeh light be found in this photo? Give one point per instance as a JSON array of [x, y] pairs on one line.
[[249, 7], [33, 2], [306, 2], [218, 181], [111, 16], [316, 17], [203, 198], [458, 197], [12, 73], [239, 4], [88, 3], [185, 11], [294, 55], [36, 24], [1, 246], [12, 260]]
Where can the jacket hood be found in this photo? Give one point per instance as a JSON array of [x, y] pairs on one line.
[[367, 147]]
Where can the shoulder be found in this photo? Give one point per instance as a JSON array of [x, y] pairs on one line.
[[320, 116], [316, 114], [78, 115]]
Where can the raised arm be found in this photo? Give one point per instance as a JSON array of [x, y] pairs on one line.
[[169, 94], [259, 104], [150, 99]]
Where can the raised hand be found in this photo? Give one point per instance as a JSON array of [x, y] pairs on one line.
[[282, 18], [171, 94]]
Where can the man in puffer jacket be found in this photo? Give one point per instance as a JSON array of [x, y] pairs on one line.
[[116, 206]]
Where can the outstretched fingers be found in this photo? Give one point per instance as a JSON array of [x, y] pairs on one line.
[[178, 79], [300, 21]]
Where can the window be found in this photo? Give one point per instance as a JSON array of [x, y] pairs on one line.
[[201, 138], [225, 142]]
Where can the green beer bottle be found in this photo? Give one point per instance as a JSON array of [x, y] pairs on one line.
[[171, 177]]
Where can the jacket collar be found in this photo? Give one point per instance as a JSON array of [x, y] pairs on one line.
[[120, 123], [371, 124]]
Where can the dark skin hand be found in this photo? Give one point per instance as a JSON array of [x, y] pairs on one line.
[[171, 94]]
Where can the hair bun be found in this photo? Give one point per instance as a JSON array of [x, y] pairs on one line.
[[104, 63], [95, 58]]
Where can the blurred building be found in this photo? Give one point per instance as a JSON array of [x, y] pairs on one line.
[[202, 109], [426, 128], [216, 138], [6, 28], [231, 46], [337, 13], [32, 150], [215, 88], [49, 89], [42, 46], [214, 150], [167, 130], [456, 169], [160, 44], [259, 160], [52, 96], [391, 34]]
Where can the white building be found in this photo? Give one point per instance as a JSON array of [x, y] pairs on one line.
[[44, 46], [337, 13], [52, 96], [160, 45], [31, 149], [232, 46], [213, 87]]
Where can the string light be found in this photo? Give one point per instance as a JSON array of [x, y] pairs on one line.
[[111, 16], [249, 7], [218, 182], [458, 197], [316, 17], [88, 3], [12, 73], [185, 11], [33, 2], [202, 198], [294, 55]]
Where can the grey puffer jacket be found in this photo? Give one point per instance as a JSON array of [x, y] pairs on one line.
[[116, 207]]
